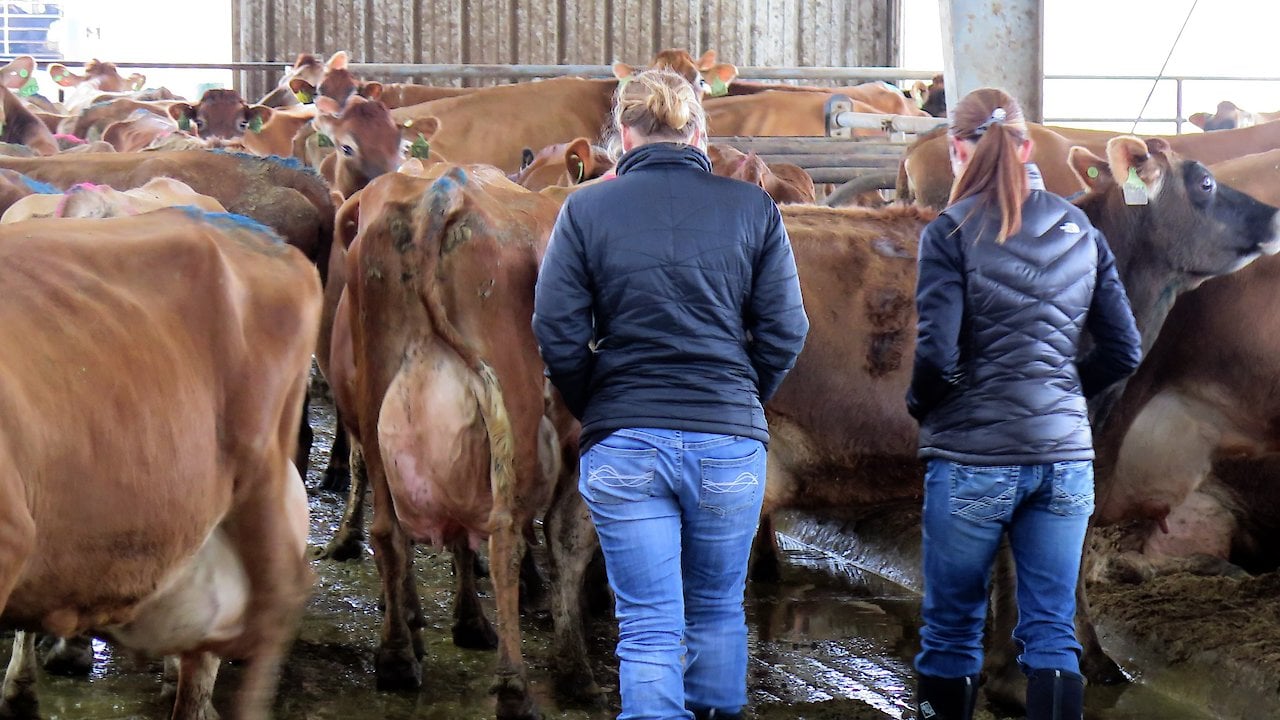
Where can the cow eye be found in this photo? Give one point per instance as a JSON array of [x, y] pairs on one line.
[[200, 123], [348, 150], [1207, 183], [242, 124]]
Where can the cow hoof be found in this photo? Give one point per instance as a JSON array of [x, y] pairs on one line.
[[571, 690], [343, 548], [335, 480], [72, 658], [514, 702], [398, 670], [23, 707], [1100, 669], [475, 635]]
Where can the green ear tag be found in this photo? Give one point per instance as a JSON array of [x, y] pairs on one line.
[[1092, 172], [420, 148], [184, 124], [24, 73], [29, 88], [719, 88], [1135, 191], [256, 124], [303, 97], [323, 140]]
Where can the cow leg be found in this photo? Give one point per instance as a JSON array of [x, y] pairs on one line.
[[302, 454], [506, 547], [19, 695], [533, 584], [414, 615], [337, 476], [397, 665], [72, 656], [263, 528], [348, 542], [471, 629], [197, 673], [1004, 683], [571, 544], [766, 556]]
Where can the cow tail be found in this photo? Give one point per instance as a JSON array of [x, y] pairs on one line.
[[443, 200]]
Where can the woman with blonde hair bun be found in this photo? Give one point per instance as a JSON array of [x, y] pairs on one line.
[[667, 312]]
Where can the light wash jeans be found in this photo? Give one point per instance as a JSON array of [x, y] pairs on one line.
[[676, 512], [1045, 509]]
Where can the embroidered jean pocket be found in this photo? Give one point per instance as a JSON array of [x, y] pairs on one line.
[[732, 485], [618, 475], [983, 494], [1072, 488]]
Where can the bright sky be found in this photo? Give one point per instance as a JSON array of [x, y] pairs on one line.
[[1133, 37]]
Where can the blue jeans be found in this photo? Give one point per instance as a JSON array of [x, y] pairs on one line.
[[1045, 509], [676, 512]]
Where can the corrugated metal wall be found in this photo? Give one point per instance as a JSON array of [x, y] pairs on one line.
[[744, 32]]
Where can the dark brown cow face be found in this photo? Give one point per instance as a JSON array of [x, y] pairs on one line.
[[1229, 116], [367, 140], [1172, 213], [220, 114], [931, 98], [102, 75]]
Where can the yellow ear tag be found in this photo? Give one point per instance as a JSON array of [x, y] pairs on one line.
[[303, 97], [1135, 191], [420, 148]]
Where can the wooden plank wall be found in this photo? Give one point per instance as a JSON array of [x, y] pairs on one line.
[[745, 32]]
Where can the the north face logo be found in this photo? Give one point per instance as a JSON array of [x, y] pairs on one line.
[[1069, 227]]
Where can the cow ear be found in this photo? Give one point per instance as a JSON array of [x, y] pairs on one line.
[[371, 90], [303, 60], [303, 90], [1199, 119], [259, 115], [183, 113], [720, 77], [337, 62], [63, 76], [1092, 170], [17, 73], [1159, 145], [326, 105], [707, 61], [526, 158], [919, 92], [623, 71], [578, 160], [1133, 167], [136, 81], [427, 127]]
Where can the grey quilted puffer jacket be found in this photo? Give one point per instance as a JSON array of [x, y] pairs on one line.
[[996, 378]]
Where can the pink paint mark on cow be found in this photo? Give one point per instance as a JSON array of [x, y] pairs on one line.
[[69, 139]]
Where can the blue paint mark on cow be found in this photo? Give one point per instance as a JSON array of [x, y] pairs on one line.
[[233, 222], [286, 162], [40, 188]]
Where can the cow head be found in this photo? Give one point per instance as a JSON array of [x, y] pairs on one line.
[[219, 114], [1227, 117], [1171, 223], [337, 84], [931, 98], [565, 164], [368, 143], [785, 183], [707, 76], [102, 75]]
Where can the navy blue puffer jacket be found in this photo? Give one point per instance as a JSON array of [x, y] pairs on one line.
[[996, 379], [668, 298]]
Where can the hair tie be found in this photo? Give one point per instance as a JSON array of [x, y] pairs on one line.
[[997, 116]]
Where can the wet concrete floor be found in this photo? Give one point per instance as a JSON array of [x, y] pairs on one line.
[[831, 641]]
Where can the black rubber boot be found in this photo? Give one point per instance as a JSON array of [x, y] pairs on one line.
[[946, 698], [1055, 695], [716, 715]]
